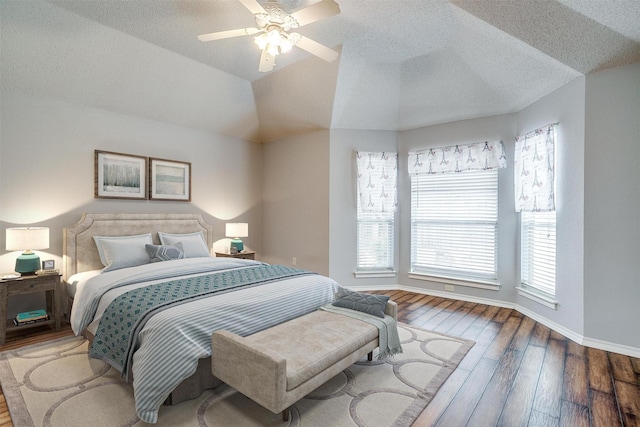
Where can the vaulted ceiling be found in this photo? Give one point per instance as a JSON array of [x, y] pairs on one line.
[[403, 64]]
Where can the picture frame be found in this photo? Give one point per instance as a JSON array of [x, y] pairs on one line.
[[48, 264], [120, 176], [169, 180]]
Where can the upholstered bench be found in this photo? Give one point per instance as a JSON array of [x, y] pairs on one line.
[[280, 365]]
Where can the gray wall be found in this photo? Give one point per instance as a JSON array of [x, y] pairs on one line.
[[62, 98], [566, 106], [612, 206], [342, 203], [295, 195], [47, 169], [496, 128], [63, 95]]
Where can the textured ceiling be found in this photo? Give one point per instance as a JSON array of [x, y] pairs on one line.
[[403, 63]]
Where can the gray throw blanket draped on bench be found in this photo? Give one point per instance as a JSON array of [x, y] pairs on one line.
[[388, 339]]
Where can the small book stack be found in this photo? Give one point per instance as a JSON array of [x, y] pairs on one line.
[[30, 317]]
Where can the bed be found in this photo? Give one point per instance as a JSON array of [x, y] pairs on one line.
[[168, 357]]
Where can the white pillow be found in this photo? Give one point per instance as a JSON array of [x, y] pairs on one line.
[[123, 251], [194, 244]]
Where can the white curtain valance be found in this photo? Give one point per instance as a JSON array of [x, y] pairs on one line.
[[458, 158], [377, 181], [534, 170]]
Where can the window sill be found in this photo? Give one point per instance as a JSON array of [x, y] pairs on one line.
[[540, 298], [494, 286], [373, 274]]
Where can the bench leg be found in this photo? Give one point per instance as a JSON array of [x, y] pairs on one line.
[[370, 356], [285, 415]]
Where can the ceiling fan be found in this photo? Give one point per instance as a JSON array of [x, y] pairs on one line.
[[274, 25]]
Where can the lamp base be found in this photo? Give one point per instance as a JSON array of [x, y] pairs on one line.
[[237, 243], [27, 263]]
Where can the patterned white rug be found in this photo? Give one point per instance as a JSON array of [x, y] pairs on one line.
[[57, 384]]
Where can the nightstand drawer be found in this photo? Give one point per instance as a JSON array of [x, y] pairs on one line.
[[241, 255], [22, 287]]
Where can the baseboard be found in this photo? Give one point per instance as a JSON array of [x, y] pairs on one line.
[[566, 332], [453, 295], [572, 335], [612, 347]]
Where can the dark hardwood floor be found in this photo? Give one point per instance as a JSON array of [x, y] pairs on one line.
[[519, 373]]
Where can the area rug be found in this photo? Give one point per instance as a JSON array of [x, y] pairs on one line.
[[56, 384]]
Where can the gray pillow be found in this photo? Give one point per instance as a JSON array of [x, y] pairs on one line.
[[366, 303], [159, 253]]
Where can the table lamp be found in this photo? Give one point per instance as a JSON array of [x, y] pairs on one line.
[[235, 230], [26, 239]]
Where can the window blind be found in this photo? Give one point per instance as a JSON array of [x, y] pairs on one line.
[[538, 249], [375, 240], [454, 224]]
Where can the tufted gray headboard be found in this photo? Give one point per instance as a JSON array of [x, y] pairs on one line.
[[79, 249]]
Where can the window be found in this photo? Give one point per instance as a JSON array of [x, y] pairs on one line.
[[538, 249], [534, 185], [376, 205], [375, 240], [454, 219]]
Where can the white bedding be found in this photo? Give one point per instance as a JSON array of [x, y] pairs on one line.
[[78, 280], [173, 340]]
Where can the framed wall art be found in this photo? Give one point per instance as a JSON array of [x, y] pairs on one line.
[[120, 176], [169, 180]]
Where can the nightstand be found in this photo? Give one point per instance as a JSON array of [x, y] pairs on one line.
[[50, 284], [242, 255]]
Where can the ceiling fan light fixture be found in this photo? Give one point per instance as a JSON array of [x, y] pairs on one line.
[[275, 41], [285, 45], [261, 41], [274, 25]]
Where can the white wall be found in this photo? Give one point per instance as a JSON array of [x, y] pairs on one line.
[[612, 206], [342, 203], [496, 128], [295, 195], [566, 106]]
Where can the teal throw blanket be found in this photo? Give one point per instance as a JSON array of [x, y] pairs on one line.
[[126, 315]]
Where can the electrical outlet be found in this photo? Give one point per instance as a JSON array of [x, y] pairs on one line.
[[449, 288], [294, 261]]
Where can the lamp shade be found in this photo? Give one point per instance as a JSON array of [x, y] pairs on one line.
[[237, 229], [27, 238]]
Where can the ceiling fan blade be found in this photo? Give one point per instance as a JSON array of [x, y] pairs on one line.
[[315, 12], [317, 49], [267, 61], [227, 34], [253, 6]]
